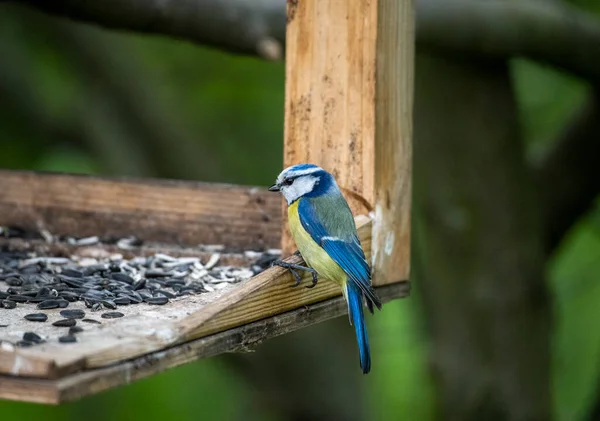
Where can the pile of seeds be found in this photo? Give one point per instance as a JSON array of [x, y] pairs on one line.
[[46, 282]]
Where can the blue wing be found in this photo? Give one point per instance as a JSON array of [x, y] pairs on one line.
[[340, 240]]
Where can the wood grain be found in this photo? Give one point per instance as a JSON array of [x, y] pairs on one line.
[[240, 339], [147, 329], [348, 108], [167, 211], [268, 293]]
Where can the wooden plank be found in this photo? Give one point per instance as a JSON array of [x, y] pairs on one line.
[[348, 108], [240, 339], [167, 211], [267, 294], [147, 329]]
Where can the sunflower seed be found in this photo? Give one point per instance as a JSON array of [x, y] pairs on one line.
[[36, 317], [32, 337], [67, 339], [65, 323], [157, 300], [112, 315], [92, 321], [73, 314]]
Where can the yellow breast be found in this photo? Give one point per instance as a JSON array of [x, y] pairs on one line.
[[314, 255]]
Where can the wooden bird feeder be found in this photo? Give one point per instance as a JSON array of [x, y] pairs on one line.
[[348, 108]]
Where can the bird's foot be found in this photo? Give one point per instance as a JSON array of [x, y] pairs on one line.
[[293, 268]]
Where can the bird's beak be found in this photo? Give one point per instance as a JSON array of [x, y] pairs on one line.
[[274, 187]]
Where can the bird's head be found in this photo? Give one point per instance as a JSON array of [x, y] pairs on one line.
[[303, 180]]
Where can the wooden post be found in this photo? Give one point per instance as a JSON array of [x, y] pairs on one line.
[[348, 108]]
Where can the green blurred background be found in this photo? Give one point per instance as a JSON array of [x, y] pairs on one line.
[[80, 99]]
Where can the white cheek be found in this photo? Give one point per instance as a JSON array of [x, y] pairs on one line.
[[300, 187]]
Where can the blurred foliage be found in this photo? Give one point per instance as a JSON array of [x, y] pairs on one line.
[[233, 109]]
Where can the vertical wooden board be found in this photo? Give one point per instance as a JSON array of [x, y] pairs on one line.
[[348, 108], [330, 91], [393, 139]]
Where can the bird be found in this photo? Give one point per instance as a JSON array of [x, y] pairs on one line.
[[323, 228]]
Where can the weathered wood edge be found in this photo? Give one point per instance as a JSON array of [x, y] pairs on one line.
[[267, 294], [166, 211], [240, 339]]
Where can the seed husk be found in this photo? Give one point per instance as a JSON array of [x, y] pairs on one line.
[[109, 304], [9, 304], [48, 304]]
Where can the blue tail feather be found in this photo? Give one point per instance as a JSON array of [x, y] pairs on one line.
[[357, 318]]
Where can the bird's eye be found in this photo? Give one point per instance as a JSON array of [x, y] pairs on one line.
[[287, 182]]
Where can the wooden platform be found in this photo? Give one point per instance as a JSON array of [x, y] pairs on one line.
[[152, 339]]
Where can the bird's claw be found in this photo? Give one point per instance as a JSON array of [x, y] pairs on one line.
[[289, 266], [315, 279], [293, 270]]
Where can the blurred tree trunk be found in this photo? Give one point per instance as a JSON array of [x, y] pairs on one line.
[[479, 246]]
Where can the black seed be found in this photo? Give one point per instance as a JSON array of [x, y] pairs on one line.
[[75, 329], [35, 300], [112, 315], [92, 321], [73, 314], [72, 273], [157, 274], [157, 300], [3, 295], [36, 317], [13, 282], [43, 292], [72, 282], [89, 302], [8, 304], [67, 339], [145, 294], [173, 282], [122, 301], [122, 277], [63, 303], [18, 298], [65, 323], [165, 293], [139, 285], [109, 304], [32, 337], [90, 270], [24, 344], [69, 296], [48, 304]]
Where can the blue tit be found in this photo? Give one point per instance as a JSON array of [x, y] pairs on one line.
[[323, 228]]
